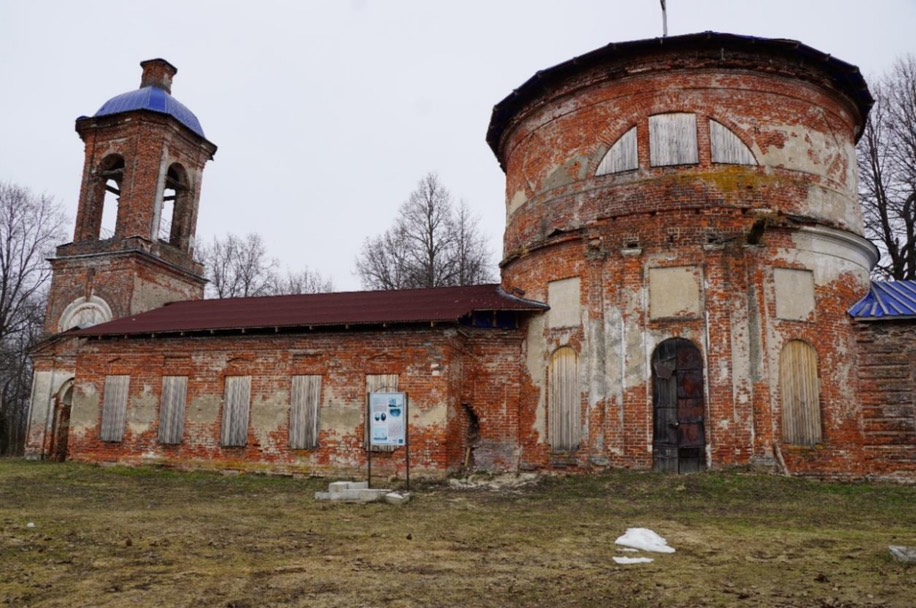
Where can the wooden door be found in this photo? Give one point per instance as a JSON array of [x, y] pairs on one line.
[[679, 408]]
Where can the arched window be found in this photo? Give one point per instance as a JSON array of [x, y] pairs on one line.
[[800, 388], [173, 212], [100, 217], [564, 426], [727, 148], [622, 156]]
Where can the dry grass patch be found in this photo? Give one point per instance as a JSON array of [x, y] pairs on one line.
[[146, 537]]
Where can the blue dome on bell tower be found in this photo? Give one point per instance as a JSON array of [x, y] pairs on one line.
[[154, 95]]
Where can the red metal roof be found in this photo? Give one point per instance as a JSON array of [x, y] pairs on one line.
[[437, 305]]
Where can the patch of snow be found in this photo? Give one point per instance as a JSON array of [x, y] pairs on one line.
[[907, 555], [645, 539], [397, 498], [633, 560]]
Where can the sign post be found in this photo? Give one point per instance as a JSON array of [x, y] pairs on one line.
[[388, 414]]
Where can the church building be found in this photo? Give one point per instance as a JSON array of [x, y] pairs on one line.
[[684, 286]]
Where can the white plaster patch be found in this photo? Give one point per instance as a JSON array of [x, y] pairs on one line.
[[535, 360], [340, 420], [85, 411], [517, 201], [204, 410], [794, 294], [812, 152], [675, 292], [267, 416], [434, 416], [564, 299], [141, 413], [834, 253], [835, 207]]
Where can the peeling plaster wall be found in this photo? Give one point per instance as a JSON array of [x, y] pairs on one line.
[[689, 251], [716, 254], [47, 380], [421, 358], [86, 414]]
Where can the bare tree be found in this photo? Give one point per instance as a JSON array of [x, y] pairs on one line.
[[16, 378], [383, 261], [471, 257], [239, 267], [432, 243], [306, 281], [31, 226], [887, 171]]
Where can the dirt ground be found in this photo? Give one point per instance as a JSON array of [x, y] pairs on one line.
[[74, 535]]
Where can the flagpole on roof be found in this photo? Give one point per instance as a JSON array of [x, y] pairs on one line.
[[664, 20]]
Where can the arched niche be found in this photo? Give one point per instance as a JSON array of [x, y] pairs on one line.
[[84, 312]]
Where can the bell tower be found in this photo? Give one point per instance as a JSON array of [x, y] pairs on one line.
[[133, 245]]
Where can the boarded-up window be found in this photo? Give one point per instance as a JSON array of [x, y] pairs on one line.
[[236, 404], [727, 147], [794, 294], [801, 411], [171, 409], [303, 413], [114, 408], [622, 155], [564, 298], [673, 139], [379, 383], [563, 401], [676, 292]]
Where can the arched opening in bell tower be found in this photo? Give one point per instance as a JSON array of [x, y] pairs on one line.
[[175, 207], [103, 210]]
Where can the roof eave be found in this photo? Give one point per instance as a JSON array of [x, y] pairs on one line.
[[83, 122], [846, 76]]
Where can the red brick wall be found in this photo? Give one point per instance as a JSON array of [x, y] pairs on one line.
[[439, 369], [887, 381], [129, 282], [795, 209], [148, 143], [133, 271]]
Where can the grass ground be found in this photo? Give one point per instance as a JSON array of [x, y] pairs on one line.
[[146, 537]]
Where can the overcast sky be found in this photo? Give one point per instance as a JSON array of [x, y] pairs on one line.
[[327, 113]]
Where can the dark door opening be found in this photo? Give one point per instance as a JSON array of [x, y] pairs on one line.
[[472, 438], [60, 435], [679, 440]]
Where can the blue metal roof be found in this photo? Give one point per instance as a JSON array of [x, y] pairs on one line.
[[153, 99], [887, 300]]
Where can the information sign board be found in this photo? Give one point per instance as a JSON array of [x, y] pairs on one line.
[[388, 419]]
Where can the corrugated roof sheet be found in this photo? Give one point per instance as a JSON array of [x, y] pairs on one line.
[[153, 99], [887, 300], [439, 305]]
